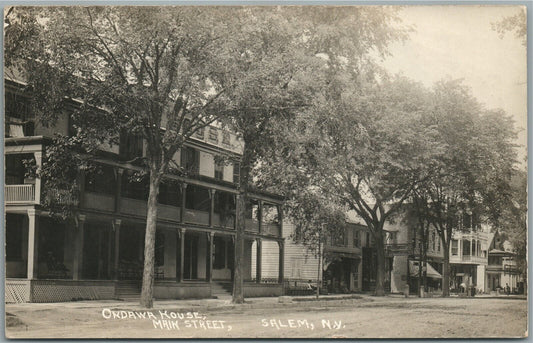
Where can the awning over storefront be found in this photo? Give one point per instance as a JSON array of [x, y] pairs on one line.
[[431, 272]]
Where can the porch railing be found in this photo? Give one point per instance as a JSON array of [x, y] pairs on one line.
[[19, 193]]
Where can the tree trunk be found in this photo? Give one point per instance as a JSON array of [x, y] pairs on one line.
[[149, 242], [446, 271], [238, 277], [380, 277]]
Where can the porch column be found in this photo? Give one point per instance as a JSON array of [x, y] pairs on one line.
[[110, 259], [118, 188], [179, 275], [260, 215], [33, 243], [183, 199], [236, 211], [209, 260], [360, 273], [280, 219], [77, 265], [116, 227], [281, 259], [212, 206], [38, 161], [258, 262]]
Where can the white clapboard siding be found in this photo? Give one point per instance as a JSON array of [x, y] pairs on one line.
[[299, 262]]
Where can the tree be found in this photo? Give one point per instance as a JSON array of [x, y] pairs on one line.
[[516, 23], [471, 172], [339, 42], [361, 143], [158, 73], [291, 41]]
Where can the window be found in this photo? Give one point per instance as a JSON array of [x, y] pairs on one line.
[[190, 160], [357, 238], [438, 243], [14, 227], [455, 247], [199, 133], [466, 247], [18, 117], [131, 146], [101, 181], [170, 193], [213, 135], [252, 209], [226, 138], [270, 214], [338, 239], [236, 171], [433, 241], [392, 237], [219, 170]]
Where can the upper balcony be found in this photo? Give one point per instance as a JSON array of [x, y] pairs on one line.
[[186, 202], [19, 194], [468, 259]]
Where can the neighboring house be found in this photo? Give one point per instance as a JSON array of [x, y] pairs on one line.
[[469, 258], [98, 253], [404, 249], [347, 261], [502, 270]]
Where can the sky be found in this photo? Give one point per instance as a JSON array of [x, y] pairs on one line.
[[458, 42]]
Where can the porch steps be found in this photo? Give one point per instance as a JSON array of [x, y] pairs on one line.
[[221, 289], [128, 290]]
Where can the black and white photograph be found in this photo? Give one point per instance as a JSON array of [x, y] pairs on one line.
[[278, 171]]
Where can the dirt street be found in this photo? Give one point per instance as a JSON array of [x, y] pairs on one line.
[[366, 318]]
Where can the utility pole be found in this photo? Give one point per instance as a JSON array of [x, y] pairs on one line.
[[319, 261]]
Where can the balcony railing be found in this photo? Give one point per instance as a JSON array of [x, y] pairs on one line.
[[473, 259], [19, 194], [392, 249]]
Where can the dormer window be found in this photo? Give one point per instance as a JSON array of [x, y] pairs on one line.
[[213, 135], [226, 138], [199, 133]]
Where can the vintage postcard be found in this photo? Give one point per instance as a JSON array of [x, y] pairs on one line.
[[265, 171]]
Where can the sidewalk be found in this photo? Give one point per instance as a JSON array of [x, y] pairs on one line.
[[225, 304], [204, 305]]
